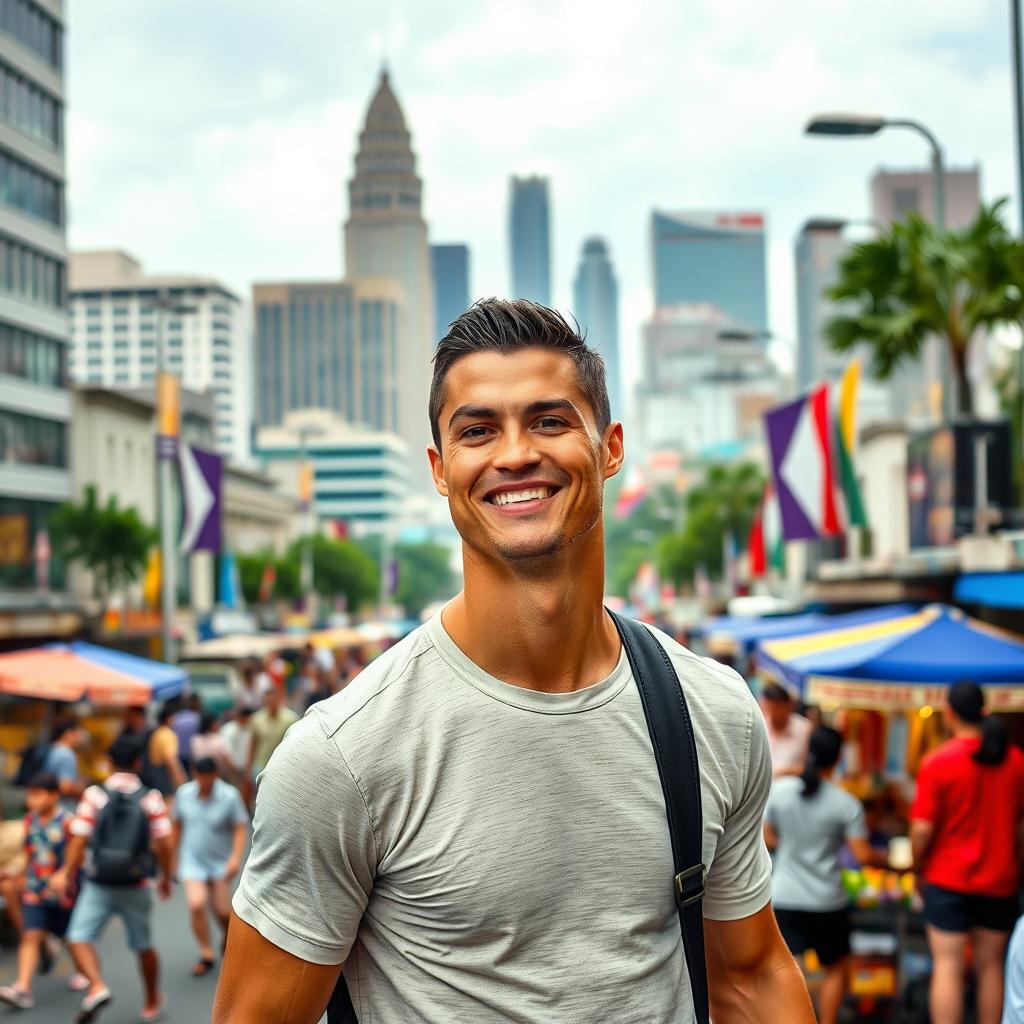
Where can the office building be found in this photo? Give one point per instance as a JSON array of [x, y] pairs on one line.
[[332, 345], [449, 265], [114, 329], [35, 404], [530, 239], [596, 308], [360, 476], [386, 236], [712, 257]]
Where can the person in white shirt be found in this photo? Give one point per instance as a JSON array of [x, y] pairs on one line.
[[237, 736], [788, 732]]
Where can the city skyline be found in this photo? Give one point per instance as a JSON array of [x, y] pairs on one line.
[[260, 153]]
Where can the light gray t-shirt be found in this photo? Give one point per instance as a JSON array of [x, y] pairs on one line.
[[477, 852], [811, 833]]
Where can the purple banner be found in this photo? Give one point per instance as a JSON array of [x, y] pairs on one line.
[[201, 478], [780, 424]]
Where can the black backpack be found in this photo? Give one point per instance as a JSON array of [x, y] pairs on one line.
[[675, 750], [120, 848], [33, 761]]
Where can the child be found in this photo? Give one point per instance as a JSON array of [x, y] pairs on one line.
[[44, 913]]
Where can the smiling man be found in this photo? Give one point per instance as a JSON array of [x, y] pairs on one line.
[[475, 827]]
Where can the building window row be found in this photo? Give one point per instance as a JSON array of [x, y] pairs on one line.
[[34, 111], [34, 28], [31, 440], [30, 274], [25, 188], [32, 357]]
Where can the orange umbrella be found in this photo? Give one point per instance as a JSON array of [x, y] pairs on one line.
[[63, 675]]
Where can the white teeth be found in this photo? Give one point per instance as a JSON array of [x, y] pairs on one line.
[[508, 497]]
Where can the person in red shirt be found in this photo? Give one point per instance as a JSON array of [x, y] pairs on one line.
[[964, 832]]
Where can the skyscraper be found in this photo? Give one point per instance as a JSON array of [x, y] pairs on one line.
[[450, 267], [35, 404], [596, 307], [330, 345], [114, 327], [715, 257], [530, 239], [386, 236]]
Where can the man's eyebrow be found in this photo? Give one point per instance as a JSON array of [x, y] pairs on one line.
[[476, 412], [484, 412]]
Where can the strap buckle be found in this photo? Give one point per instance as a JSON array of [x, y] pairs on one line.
[[690, 885]]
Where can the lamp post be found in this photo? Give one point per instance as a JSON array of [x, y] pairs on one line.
[[308, 496], [1018, 107], [869, 124], [168, 411]]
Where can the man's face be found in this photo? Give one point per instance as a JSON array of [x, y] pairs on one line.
[[522, 462], [41, 801], [777, 712]]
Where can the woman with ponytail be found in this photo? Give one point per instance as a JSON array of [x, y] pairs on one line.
[[964, 831], [807, 821]]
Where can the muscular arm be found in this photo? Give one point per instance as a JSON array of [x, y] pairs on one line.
[[921, 833], [262, 984], [752, 976]]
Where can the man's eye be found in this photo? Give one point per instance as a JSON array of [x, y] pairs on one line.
[[550, 423], [475, 432]]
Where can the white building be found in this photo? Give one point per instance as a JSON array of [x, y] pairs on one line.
[[360, 476], [114, 337]]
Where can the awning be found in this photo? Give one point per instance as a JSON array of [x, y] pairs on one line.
[[165, 681], [49, 673], [992, 589]]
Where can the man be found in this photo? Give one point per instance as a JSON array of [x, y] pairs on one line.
[[163, 756], [62, 759], [268, 728], [788, 732], [211, 826], [118, 875], [475, 825], [185, 724]]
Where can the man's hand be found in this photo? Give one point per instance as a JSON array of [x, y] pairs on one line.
[[58, 882], [230, 869], [164, 886]]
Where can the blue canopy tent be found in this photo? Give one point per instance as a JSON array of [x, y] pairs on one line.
[[166, 681], [901, 662]]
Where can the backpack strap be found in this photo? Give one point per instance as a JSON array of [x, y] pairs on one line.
[[675, 750]]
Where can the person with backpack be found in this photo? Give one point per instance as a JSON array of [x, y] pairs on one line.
[[122, 835], [528, 809], [808, 819], [58, 757], [965, 828]]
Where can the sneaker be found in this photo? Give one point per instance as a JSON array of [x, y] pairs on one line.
[[152, 1016], [14, 997], [93, 1006], [78, 983]]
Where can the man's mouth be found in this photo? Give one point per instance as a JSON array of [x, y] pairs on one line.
[[502, 498]]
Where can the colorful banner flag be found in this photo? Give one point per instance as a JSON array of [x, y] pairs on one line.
[[846, 440], [230, 584], [766, 548], [267, 583], [168, 415], [151, 581], [633, 493], [800, 440], [201, 476]]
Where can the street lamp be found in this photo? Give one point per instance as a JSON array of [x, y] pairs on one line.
[[307, 477], [166, 392]]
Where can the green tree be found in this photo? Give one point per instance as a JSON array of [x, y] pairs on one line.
[[726, 502], [340, 569], [286, 576], [424, 575], [913, 282], [113, 543]]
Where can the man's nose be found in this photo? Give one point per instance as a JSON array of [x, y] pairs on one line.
[[515, 450]]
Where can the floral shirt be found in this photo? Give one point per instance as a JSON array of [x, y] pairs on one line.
[[45, 847]]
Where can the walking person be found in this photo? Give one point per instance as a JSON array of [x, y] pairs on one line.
[[61, 759], [237, 733], [788, 732], [964, 829], [807, 821], [121, 834], [163, 757], [185, 722], [476, 826], [211, 826], [44, 912], [268, 727]]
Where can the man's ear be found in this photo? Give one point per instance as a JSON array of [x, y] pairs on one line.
[[614, 450], [437, 470]]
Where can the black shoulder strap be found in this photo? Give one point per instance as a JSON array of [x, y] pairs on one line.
[[668, 721]]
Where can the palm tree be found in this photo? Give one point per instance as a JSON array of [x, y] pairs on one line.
[[913, 282]]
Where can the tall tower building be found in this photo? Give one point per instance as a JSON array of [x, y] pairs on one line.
[[530, 239], [450, 267], [596, 307], [35, 403], [386, 236]]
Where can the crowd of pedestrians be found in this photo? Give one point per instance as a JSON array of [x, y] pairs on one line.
[[174, 808]]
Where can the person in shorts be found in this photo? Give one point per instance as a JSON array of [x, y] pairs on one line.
[[44, 912], [964, 830], [807, 820], [211, 826]]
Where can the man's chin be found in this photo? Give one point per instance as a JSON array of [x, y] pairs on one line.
[[529, 549]]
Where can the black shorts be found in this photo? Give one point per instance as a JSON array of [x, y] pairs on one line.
[[826, 932], [46, 917], [950, 911]]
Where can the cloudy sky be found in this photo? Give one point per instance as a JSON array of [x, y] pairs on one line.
[[217, 136]]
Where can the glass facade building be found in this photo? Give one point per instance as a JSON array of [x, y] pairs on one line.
[[596, 307], [530, 239], [35, 403], [449, 265], [712, 257]]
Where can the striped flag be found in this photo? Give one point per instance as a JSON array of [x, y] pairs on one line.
[[766, 548], [846, 436], [633, 493]]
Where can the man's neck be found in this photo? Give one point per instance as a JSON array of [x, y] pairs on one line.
[[545, 631]]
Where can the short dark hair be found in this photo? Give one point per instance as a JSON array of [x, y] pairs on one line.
[[62, 727], [509, 325], [44, 780], [126, 751], [776, 693], [206, 766]]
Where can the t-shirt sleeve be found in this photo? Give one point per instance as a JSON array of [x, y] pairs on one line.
[[63, 764], [311, 834], [239, 813], [740, 877], [855, 825]]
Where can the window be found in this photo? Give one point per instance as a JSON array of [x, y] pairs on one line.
[[32, 357], [27, 106], [30, 190], [93, 311], [31, 275], [31, 440], [94, 329], [34, 29]]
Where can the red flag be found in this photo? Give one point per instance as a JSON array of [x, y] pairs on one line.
[[267, 582], [755, 545]]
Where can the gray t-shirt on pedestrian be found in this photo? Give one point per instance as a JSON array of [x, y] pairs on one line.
[[806, 874], [476, 852]]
